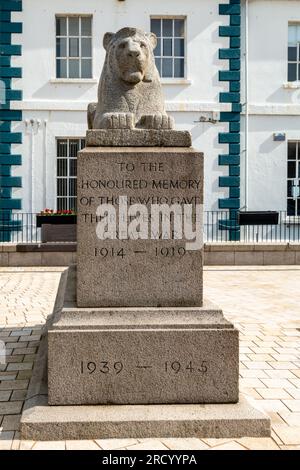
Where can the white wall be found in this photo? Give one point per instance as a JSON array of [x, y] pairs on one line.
[[272, 107], [268, 42], [64, 105]]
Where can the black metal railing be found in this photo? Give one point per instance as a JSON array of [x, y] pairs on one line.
[[218, 227]]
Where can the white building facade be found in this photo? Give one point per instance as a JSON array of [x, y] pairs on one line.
[[246, 120]]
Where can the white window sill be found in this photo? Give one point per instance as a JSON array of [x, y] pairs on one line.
[[79, 81], [292, 220], [291, 85], [175, 81]]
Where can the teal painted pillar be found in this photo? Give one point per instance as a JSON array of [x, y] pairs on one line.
[[231, 160], [7, 116]]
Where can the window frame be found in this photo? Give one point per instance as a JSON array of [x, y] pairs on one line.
[[173, 17], [297, 62], [67, 37], [297, 177], [67, 177]]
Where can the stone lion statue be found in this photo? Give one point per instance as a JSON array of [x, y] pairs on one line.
[[129, 92]]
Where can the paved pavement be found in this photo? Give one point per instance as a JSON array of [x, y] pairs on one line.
[[264, 304]]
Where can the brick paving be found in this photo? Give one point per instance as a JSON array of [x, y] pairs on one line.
[[263, 302]]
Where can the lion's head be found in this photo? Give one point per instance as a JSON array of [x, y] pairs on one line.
[[130, 54]]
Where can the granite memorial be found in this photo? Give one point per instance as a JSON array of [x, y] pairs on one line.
[[131, 326]]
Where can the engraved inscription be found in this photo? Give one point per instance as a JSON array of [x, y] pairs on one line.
[[169, 367], [102, 367]]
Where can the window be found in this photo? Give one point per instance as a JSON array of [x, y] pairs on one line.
[[170, 51], [74, 47], [294, 53], [293, 175], [67, 172]]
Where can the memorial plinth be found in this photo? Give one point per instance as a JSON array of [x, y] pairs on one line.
[[131, 340], [137, 331], [133, 349], [141, 355]]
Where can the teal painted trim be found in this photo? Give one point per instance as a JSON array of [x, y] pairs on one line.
[[7, 224], [5, 38], [5, 61], [11, 5], [7, 83], [228, 75], [227, 224], [11, 204], [5, 148], [228, 160], [11, 137], [5, 106], [10, 159], [13, 72], [234, 127], [235, 42], [236, 108], [235, 64], [10, 50], [229, 203], [234, 192], [5, 170], [7, 137], [6, 227], [10, 115], [10, 27], [235, 20], [235, 149], [226, 181], [229, 97], [5, 126], [234, 170], [4, 237], [233, 213], [11, 181], [5, 193], [234, 235], [14, 95], [228, 31], [229, 54], [5, 16], [234, 9], [229, 117], [235, 87], [229, 138]]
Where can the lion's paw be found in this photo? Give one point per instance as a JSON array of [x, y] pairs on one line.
[[157, 121], [117, 121]]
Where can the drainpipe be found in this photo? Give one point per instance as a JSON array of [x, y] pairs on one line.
[[45, 164], [29, 130], [32, 166], [31, 123], [246, 100]]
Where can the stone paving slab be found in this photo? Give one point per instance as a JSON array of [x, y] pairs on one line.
[[263, 303]]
